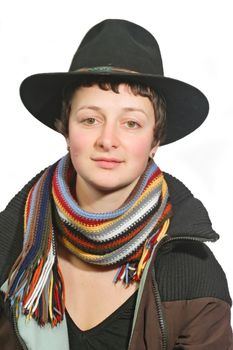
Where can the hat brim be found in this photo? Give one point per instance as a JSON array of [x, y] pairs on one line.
[[187, 107]]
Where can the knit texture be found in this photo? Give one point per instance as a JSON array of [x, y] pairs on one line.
[[187, 270], [123, 238]]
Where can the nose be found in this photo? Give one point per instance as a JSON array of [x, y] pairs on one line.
[[108, 137]]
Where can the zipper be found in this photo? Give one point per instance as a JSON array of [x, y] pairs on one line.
[[16, 330], [158, 303], [157, 297], [11, 316], [159, 311], [188, 238]]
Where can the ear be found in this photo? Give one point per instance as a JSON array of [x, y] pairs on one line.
[[68, 144], [154, 150]]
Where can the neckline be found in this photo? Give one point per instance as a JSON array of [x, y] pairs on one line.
[[100, 326]]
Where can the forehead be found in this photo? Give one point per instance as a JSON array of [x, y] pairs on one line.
[[107, 98]]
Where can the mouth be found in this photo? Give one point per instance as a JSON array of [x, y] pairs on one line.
[[107, 163]]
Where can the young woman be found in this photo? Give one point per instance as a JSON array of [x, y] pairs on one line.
[[101, 249]]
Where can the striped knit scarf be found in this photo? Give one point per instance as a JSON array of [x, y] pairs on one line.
[[123, 238]]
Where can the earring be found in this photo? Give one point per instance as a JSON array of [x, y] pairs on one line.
[[152, 155]]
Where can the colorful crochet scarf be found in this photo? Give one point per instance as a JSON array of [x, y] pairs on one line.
[[123, 238]]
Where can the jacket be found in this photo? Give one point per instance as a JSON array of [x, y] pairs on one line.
[[183, 300]]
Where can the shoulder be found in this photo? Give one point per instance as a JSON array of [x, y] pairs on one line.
[[190, 217], [185, 266], [11, 229], [187, 270]]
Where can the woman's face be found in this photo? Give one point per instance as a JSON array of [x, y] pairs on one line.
[[110, 137]]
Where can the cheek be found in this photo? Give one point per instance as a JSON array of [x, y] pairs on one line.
[[77, 141], [141, 148]]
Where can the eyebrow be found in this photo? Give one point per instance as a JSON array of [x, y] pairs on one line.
[[126, 109], [89, 107], [132, 109]]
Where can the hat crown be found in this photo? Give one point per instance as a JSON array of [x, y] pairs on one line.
[[119, 44], [129, 53]]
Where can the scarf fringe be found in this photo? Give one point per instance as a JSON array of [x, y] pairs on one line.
[[42, 296], [36, 286], [129, 273]]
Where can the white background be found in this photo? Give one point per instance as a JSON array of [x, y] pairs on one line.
[[195, 38]]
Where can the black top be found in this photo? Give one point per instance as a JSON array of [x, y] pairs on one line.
[[112, 333]]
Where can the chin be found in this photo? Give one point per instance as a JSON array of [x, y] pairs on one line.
[[109, 187]]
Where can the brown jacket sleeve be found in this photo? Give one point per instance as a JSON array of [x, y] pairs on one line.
[[8, 340], [206, 325]]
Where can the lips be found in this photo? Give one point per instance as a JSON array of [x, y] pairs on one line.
[[111, 160], [107, 163]]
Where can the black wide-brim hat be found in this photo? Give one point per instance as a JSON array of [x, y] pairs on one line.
[[127, 52]]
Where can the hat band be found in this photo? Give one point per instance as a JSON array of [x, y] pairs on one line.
[[105, 69]]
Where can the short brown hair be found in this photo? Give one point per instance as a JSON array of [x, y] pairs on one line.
[[158, 103]]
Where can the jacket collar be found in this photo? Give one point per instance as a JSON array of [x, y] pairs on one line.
[[190, 219]]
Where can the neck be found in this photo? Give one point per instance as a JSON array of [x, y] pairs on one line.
[[100, 201]]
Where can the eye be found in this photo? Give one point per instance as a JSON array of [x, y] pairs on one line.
[[132, 124], [89, 121]]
